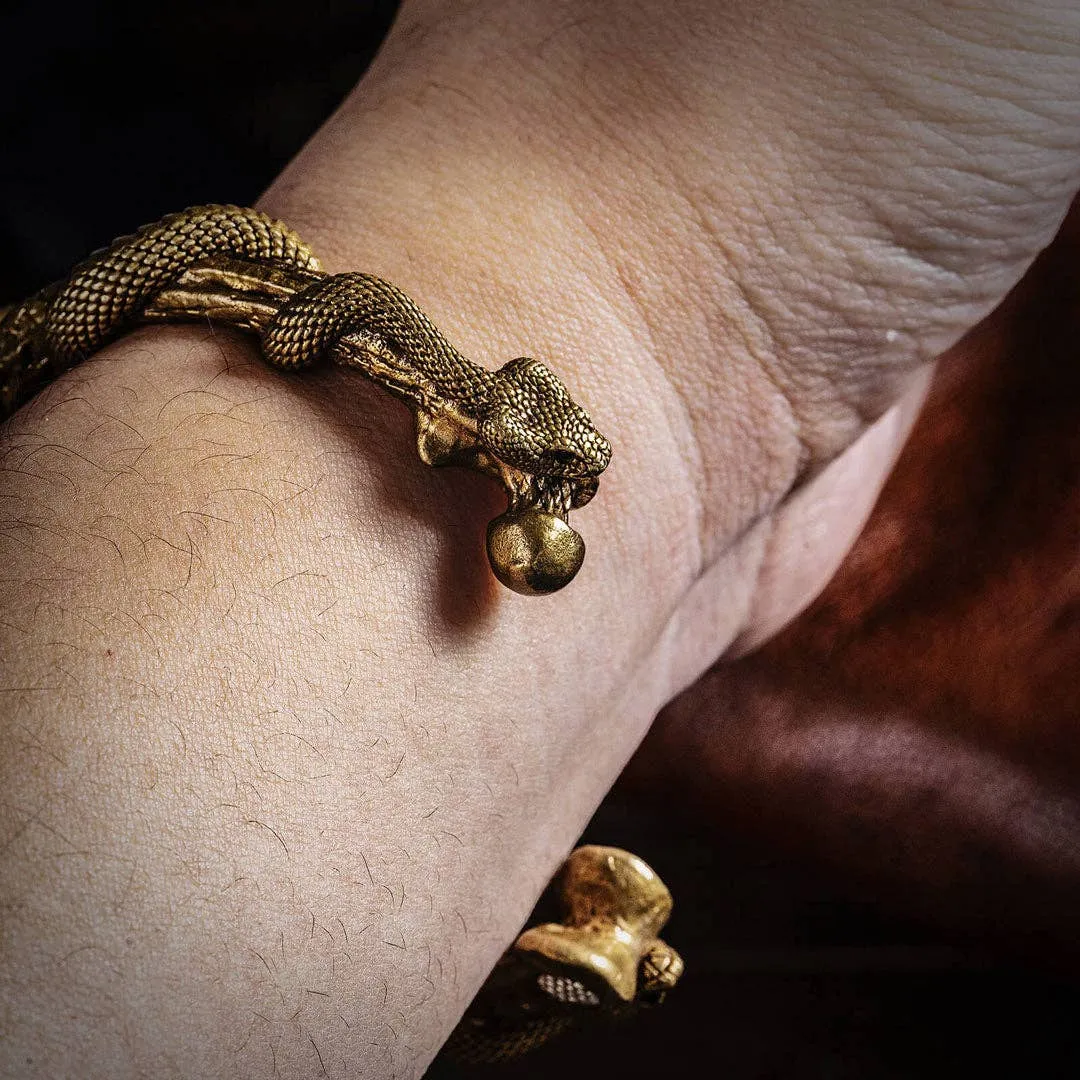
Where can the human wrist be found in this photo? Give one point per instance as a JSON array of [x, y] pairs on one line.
[[252, 638]]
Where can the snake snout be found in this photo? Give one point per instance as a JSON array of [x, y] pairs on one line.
[[579, 459], [600, 453]]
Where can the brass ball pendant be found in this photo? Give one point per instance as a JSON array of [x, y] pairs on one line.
[[533, 552]]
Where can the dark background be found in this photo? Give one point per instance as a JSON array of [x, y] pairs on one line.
[[114, 114]]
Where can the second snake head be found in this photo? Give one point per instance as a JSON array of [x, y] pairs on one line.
[[534, 425]]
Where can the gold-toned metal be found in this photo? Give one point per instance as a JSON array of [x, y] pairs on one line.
[[615, 906], [533, 552], [604, 959], [237, 266]]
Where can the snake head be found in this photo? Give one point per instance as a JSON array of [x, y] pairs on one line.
[[535, 427]]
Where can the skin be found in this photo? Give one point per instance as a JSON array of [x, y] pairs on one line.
[[285, 768]]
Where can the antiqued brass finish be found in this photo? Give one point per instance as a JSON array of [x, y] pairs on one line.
[[605, 959], [615, 908], [238, 266], [533, 552]]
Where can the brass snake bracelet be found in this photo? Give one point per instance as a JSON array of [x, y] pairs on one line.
[[239, 267]]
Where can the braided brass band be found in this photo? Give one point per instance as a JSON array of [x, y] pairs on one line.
[[106, 291]]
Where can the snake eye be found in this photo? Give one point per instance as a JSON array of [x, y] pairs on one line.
[[561, 460]]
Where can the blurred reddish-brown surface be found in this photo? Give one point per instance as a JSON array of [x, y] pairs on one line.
[[961, 600], [919, 726]]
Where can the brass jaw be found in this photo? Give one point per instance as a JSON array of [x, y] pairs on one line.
[[532, 548]]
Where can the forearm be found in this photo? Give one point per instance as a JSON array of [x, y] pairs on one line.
[[285, 767], [266, 705]]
